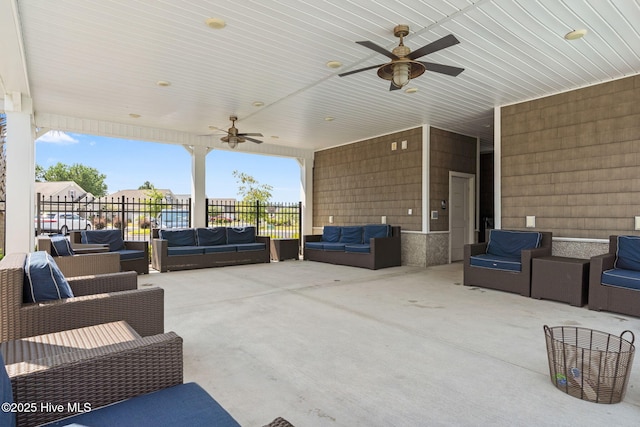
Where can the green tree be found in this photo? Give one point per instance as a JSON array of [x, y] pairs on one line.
[[250, 189], [146, 186], [39, 173], [86, 177], [154, 201]]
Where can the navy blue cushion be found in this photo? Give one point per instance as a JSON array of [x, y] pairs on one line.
[[314, 245], [211, 236], [622, 278], [628, 253], [242, 247], [113, 238], [131, 254], [331, 234], [7, 418], [376, 231], [178, 406], [333, 246], [180, 237], [60, 246], [496, 262], [185, 250], [363, 248], [219, 248], [510, 243], [43, 280], [351, 234], [241, 235]]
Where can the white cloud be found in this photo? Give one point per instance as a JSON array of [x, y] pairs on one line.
[[57, 137]]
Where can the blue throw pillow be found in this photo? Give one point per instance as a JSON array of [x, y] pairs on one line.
[[211, 236], [60, 246], [511, 243], [7, 418], [182, 237], [43, 280], [351, 235], [113, 238], [376, 231], [628, 253], [241, 235], [331, 234]]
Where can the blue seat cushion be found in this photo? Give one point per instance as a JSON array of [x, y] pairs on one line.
[[363, 248], [375, 231], [180, 237], [314, 245], [184, 405], [61, 246], [43, 280], [219, 248], [508, 243], [126, 254], [113, 238], [496, 262], [628, 253], [7, 418], [621, 278], [185, 250], [331, 234], [351, 235], [241, 235], [333, 246], [211, 236], [242, 247]]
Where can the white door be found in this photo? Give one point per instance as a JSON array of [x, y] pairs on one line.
[[458, 216]]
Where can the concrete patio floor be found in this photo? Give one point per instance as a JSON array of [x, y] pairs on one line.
[[325, 345]]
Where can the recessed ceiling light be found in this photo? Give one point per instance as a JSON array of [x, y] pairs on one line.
[[329, 119], [213, 127], [163, 83], [275, 136], [411, 90], [334, 64], [258, 104], [215, 23], [575, 34], [134, 115]]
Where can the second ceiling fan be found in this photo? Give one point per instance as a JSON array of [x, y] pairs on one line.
[[233, 137], [403, 66]]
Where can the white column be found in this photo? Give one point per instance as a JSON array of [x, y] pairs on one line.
[[497, 169], [20, 184], [426, 167], [198, 184], [306, 194]]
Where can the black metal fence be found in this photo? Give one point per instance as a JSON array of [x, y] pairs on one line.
[[136, 217]]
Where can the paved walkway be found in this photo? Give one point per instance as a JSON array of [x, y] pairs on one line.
[[324, 345]]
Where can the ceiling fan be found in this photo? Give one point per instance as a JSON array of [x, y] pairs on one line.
[[403, 66], [233, 138]]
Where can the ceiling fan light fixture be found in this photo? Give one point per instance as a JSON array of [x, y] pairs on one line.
[[401, 74], [215, 23]]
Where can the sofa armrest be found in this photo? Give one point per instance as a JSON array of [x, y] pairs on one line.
[[312, 238], [264, 239], [159, 254], [475, 249], [138, 245], [143, 309], [104, 283], [88, 264], [148, 364]]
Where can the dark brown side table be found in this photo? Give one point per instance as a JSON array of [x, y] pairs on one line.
[[282, 249], [560, 279]]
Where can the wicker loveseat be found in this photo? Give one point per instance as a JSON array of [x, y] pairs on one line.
[[188, 248], [614, 277], [97, 299], [370, 246], [79, 262], [504, 262], [134, 255]]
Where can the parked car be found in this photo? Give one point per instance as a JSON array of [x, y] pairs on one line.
[[169, 218], [61, 223]]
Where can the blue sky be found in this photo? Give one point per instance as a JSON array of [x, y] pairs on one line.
[[128, 164]]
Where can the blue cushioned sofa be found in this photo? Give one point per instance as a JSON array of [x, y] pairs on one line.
[[504, 261], [614, 277], [188, 248], [370, 246], [134, 255]]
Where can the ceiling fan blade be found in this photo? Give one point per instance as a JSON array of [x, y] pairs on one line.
[[393, 87], [437, 45], [379, 49], [249, 134], [257, 141], [360, 69], [443, 69]]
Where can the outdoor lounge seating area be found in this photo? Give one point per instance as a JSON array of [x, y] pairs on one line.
[[134, 255]]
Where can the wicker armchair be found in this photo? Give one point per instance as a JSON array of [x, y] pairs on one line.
[[97, 299], [140, 265], [96, 365], [83, 263]]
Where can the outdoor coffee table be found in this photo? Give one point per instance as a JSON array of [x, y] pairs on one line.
[[282, 249], [560, 279]]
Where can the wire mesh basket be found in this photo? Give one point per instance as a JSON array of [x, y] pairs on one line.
[[590, 365]]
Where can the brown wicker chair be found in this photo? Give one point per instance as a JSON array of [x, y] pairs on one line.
[[610, 298], [510, 281], [140, 265], [89, 262], [96, 365], [97, 299]]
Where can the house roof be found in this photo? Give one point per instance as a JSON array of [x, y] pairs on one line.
[[137, 194]]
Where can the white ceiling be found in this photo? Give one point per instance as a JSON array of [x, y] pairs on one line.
[[101, 59]]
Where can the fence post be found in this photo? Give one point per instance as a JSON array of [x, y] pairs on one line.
[[257, 216], [38, 213], [122, 226], [299, 226], [206, 212]]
